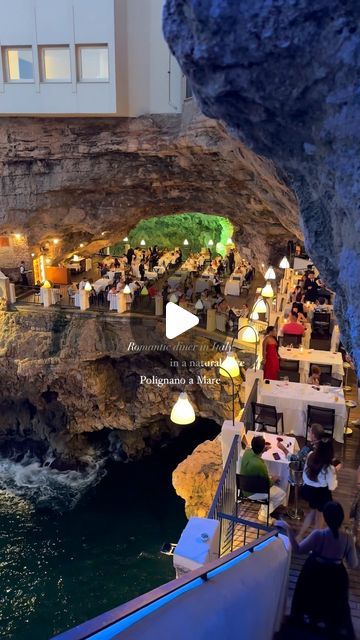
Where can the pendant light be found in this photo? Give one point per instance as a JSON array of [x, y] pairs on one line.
[[183, 411], [230, 367], [142, 243], [186, 243], [270, 274], [88, 287], [284, 264], [267, 291], [127, 290]]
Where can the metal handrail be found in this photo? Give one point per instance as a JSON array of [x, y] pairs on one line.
[[204, 574], [233, 453]]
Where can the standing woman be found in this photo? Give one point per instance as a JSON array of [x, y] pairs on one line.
[[321, 593], [320, 480], [270, 355]]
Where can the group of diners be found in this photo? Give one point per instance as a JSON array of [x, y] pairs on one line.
[[321, 594]]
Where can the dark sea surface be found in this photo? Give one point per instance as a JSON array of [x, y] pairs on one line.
[[60, 568]]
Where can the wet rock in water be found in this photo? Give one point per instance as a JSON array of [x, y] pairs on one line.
[[283, 77]]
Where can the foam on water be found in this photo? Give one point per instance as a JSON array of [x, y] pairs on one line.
[[40, 484]]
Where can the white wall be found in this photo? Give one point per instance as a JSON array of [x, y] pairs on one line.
[[46, 22], [144, 61], [139, 58]]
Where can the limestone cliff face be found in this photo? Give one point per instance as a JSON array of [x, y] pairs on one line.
[[76, 178], [65, 376], [196, 479], [283, 77]]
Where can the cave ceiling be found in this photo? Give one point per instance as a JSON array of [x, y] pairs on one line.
[[283, 76], [92, 180]]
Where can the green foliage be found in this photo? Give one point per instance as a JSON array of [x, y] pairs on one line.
[[171, 231]]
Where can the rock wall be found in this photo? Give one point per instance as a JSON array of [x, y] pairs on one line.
[[66, 377], [196, 479], [74, 179], [283, 77]]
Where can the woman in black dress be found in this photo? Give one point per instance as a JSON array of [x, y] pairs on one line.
[[321, 592]]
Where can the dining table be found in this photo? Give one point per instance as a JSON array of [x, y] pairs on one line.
[[278, 466], [306, 357], [292, 400]]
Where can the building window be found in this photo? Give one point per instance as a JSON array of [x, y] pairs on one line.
[[19, 66], [55, 64], [93, 63]]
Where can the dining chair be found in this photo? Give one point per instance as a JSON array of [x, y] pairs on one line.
[[290, 339], [324, 368], [323, 416], [292, 376], [327, 379], [289, 365], [267, 416], [249, 486]]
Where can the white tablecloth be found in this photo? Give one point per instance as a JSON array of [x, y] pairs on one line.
[[112, 298], [292, 399], [151, 275], [279, 468], [55, 296], [77, 300], [202, 284], [174, 281], [314, 356], [160, 270], [101, 284], [232, 287]]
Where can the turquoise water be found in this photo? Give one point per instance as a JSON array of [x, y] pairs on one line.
[[60, 569]]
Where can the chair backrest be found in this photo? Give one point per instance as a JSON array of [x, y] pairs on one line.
[[289, 365], [293, 339], [321, 317], [324, 368], [294, 376], [252, 484], [323, 416], [327, 379], [267, 411]]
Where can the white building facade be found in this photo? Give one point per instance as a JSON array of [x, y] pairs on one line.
[[86, 58]]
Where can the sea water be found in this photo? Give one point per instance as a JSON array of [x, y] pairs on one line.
[[74, 545]]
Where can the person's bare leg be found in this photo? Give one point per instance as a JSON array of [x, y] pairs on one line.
[[319, 520], [309, 521]]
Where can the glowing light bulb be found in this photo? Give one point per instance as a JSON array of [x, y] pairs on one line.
[[229, 241], [82, 245], [267, 291], [126, 239], [250, 335], [56, 241], [46, 285], [183, 411], [270, 274], [186, 243], [210, 243], [127, 290], [254, 315], [230, 366], [142, 243], [260, 306], [284, 264], [88, 287], [199, 305]]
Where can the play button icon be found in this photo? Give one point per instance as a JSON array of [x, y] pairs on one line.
[[178, 320]]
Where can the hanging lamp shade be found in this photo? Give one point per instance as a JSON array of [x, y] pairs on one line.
[[46, 285], [267, 291], [127, 290], [186, 243], [249, 335], [144, 291], [284, 264], [126, 239], [270, 274], [210, 243], [143, 243], [229, 241], [88, 287], [199, 305], [260, 306], [182, 411], [254, 315], [230, 367]]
